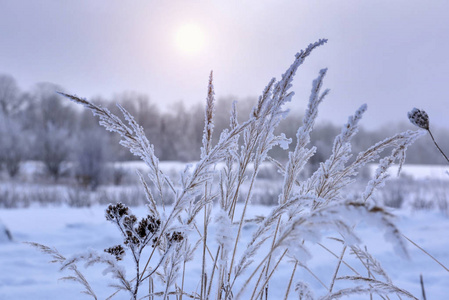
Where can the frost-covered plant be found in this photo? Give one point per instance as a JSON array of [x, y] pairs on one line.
[[163, 243], [420, 118]]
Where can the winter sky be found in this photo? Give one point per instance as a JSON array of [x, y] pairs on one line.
[[390, 54]]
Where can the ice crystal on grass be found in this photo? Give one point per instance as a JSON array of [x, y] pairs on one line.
[[370, 262], [309, 211]]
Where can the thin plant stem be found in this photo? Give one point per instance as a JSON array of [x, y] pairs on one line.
[[365, 264], [136, 288], [438, 147], [242, 221], [240, 180], [201, 236], [151, 289], [213, 273], [336, 256], [157, 266], [271, 274], [220, 281], [421, 281], [235, 198], [258, 281], [182, 281], [254, 273], [369, 273], [148, 261], [203, 267], [315, 276], [337, 268], [272, 245], [291, 280], [428, 254]]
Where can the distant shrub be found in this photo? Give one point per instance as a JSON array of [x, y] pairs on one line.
[[395, 193], [77, 197]]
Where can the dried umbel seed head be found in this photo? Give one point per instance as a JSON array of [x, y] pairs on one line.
[[419, 118], [148, 225], [117, 251], [142, 228], [131, 240], [116, 211], [176, 236], [155, 242], [129, 221]]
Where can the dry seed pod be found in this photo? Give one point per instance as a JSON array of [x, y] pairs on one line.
[[419, 118]]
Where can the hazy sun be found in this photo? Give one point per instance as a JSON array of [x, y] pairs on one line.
[[189, 38]]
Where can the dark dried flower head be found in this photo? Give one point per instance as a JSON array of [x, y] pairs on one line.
[[148, 225], [131, 240], [129, 221], [142, 228], [116, 211], [176, 236], [419, 118], [155, 242], [117, 251]]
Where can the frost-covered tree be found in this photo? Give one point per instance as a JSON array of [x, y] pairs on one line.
[[90, 158], [11, 100], [52, 123], [51, 110], [54, 145], [179, 137], [14, 142]]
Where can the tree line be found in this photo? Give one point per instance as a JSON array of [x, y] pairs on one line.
[[42, 125]]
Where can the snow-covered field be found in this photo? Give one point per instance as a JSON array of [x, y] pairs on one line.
[[434, 172], [26, 274]]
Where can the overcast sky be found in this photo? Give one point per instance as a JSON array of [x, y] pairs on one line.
[[390, 54]]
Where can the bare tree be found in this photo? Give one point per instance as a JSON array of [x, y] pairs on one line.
[[51, 107], [52, 121], [54, 144], [178, 139], [10, 96], [90, 158], [13, 144]]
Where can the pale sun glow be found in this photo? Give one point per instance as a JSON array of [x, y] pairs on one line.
[[189, 39]]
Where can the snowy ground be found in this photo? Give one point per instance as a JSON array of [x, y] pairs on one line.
[[418, 172], [26, 274]]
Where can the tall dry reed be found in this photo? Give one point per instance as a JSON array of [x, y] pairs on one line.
[[164, 243]]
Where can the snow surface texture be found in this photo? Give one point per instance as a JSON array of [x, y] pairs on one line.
[[26, 274]]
